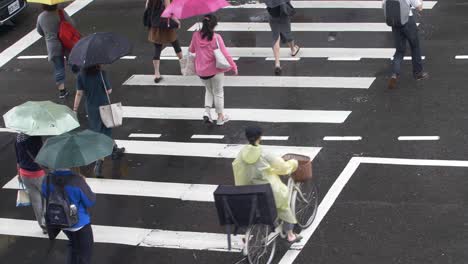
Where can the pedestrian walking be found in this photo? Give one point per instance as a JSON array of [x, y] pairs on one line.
[[203, 44], [48, 25], [162, 31], [30, 173], [81, 198], [254, 165], [280, 24], [92, 82], [402, 33]]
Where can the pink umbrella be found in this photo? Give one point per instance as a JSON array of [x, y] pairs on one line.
[[189, 8]]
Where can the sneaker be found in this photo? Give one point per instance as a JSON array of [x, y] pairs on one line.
[[117, 153], [421, 76], [207, 117], [63, 93], [98, 169], [392, 83], [223, 121]]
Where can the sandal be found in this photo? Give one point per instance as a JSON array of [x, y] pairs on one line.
[[297, 239], [157, 80], [278, 70], [297, 51]]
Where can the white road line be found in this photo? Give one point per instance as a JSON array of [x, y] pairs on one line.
[[255, 52], [7, 130], [301, 27], [169, 190], [340, 183], [275, 137], [406, 138], [344, 59], [259, 81], [140, 135], [330, 138], [207, 137], [461, 57], [334, 4], [132, 236], [33, 57], [283, 59], [408, 58], [29, 39], [236, 114], [207, 150]]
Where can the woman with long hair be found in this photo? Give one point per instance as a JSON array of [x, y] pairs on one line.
[[93, 83], [160, 34], [48, 24], [204, 43]]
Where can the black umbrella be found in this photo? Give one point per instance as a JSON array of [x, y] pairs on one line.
[[99, 48]]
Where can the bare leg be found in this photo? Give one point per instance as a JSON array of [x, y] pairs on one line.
[[276, 53], [156, 64], [180, 55], [61, 86]]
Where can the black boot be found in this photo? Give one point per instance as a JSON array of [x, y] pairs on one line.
[[98, 169], [117, 152]]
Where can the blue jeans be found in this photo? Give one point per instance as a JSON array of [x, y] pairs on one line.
[[59, 69], [408, 32]]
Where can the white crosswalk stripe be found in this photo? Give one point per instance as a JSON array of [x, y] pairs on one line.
[[259, 81], [239, 114], [298, 27], [332, 4]]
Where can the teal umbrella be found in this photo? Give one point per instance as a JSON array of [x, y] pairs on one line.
[[42, 118], [74, 149]]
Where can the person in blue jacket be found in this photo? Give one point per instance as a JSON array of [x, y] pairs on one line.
[[80, 195]]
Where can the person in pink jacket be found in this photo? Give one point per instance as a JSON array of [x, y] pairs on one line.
[[203, 45]]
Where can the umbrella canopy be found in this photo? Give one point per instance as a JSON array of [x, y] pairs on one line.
[[189, 8], [48, 2], [42, 118], [74, 149], [99, 48], [275, 3]]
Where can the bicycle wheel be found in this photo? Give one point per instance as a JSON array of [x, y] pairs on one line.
[[260, 244], [305, 203]]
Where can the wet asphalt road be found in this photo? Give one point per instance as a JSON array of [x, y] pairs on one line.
[[385, 214]]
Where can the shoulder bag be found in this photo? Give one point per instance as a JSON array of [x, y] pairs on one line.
[[221, 61], [111, 114]]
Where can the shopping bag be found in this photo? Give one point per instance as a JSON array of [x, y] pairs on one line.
[[22, 197], [187, 64], [221, 61], [111, 114]]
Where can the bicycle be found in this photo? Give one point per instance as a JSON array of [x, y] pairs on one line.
[[260, 239]]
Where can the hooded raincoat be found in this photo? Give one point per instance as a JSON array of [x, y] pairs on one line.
[[253, 166]]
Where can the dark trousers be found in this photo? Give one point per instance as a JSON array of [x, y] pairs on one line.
[[159, 47], [409, 32], [80, 245]]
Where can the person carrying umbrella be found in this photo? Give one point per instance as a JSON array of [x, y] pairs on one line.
[[92, 82], [204, 43], [280, 12], [30, 173], [162, 31], [90, 53], [33, 120], [48, 24]]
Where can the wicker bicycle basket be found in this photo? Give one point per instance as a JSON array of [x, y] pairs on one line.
[[304, 169]]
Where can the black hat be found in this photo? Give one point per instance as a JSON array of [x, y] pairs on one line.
[[253, 133]]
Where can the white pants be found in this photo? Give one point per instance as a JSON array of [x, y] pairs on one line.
[[215, 92]]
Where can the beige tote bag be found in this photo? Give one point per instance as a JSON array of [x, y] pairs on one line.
[[111, 114]]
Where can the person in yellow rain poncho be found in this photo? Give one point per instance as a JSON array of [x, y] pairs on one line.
[[254, 165]]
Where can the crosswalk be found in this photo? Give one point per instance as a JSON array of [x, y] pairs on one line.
[[215, 158]]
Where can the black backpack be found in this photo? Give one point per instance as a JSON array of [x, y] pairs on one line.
[[396, 12], [59, 213]]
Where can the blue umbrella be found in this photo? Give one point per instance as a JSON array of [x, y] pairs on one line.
[[99, 48]]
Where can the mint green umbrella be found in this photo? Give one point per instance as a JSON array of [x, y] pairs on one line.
[[43, 118], [74, 149]]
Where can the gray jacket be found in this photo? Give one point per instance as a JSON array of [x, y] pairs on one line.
[[48, 26]]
